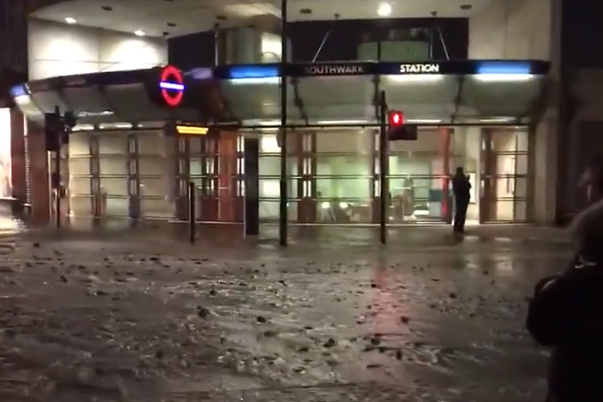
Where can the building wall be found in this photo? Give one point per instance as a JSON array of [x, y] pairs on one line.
[[529, 29], [60, 49], [511, 29], [584, 135]]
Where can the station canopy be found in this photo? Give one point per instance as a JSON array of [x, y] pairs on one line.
[[465, 92], [133, 96]]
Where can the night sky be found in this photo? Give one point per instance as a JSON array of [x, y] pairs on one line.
[[581, 33], [197, 50]]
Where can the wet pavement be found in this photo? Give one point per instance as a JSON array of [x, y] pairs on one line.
[[143, 316]]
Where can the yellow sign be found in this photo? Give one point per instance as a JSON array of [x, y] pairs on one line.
[[191, 130]]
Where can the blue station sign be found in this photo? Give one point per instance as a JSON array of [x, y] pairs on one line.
[[464, 67]]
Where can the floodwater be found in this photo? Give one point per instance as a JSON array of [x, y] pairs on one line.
[[111, 320]]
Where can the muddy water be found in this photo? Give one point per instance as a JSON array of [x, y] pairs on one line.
[[109, 321]]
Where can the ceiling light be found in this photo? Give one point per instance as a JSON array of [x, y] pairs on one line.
[[384, 10], [70, 20], [139, 33]]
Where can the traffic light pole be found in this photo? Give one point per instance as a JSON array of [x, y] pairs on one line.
[[57, 169], [383, 185], [284, 191], [56, 130]]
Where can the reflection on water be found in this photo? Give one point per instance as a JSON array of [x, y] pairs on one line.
[[150, 320]]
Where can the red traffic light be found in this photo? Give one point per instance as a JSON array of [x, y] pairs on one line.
[[396, 118]]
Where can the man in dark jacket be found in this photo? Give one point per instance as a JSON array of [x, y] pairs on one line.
[[567, 309], [462, 194]]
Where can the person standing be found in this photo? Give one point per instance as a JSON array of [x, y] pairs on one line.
[[564, 312], [462, 195]]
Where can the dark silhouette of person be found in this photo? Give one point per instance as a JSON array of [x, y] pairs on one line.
[[462, 194], [565, 312]]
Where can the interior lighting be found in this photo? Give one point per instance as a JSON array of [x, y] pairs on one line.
[[256, 81], [504, 77], [70, 20], [191, 130], [423, 121], [503, 67], [384, 10], [503, 71], [418, 78], [139, 33], [254, 75]]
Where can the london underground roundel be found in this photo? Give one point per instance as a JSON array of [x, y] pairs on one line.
[[171, 85]]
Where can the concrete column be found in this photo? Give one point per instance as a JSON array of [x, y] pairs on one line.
[[38, 174], [545, 173], [530, 29], [17, 151]]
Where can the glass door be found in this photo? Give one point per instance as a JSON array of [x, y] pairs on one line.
[[504, 175]]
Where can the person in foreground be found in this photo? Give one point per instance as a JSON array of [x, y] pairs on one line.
[[461, 189], [566, 311]]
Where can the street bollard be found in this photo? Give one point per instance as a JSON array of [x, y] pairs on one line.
[[192, 228]]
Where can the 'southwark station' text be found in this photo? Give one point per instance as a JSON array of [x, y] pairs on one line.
[[419, 68], [334, 70]]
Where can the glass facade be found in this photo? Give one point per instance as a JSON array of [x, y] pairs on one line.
[[333, 175], [119, 174]]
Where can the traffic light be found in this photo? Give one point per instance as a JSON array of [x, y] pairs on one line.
[[53, 126], [70, 120], [56, 129], [398, 131], [395, 118]]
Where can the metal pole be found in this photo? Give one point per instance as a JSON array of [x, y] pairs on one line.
[[431, 39], [217, 46], [57, 169], [383, 187], [57, 190], [192, 228], [322, 44], [443, 44], [379, 46], [324, 40], [283, 179]]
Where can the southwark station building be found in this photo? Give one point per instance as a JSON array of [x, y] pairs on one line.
[[509, 114]]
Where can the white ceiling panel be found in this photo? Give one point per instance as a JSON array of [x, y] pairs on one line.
[[155, 16]]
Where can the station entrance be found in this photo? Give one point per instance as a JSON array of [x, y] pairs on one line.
[[309, 151], [333, 175]]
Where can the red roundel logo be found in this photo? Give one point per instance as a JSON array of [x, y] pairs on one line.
[[171, 84]]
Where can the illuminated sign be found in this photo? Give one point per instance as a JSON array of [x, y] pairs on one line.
[[18, 90], [271, 73], [171, 84], [75, 81], [426, 68], [337, 69], [191, 130], [94, 113]]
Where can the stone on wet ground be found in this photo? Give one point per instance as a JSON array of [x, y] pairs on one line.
[[109, 320]]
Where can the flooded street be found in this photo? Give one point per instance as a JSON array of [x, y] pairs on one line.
[[86, 319]]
